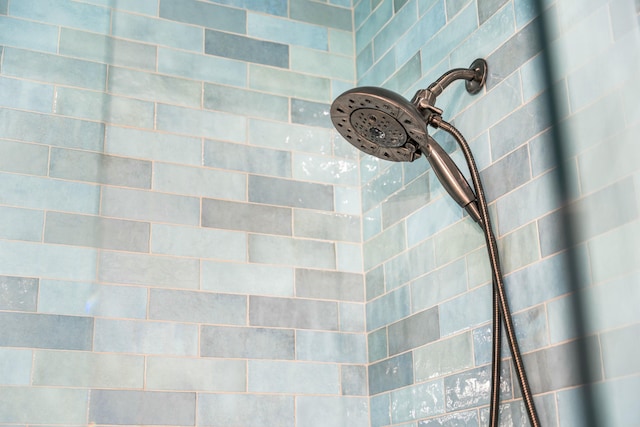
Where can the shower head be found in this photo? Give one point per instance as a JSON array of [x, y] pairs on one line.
[[386, 125]]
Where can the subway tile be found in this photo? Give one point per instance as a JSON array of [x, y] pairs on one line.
[[23, 158], [391, 374], [246, 49], [156, 31], [372, 24], [15, 366], [325, 64], [506, 174], [247, 278], [46, 331], [458, 240], [145, 337], [157, 146], [414, 331], [353, 379], [326, 226], [439, 285], [321, 14], [40, 405], [611, 253], [247, 343], [25, 95], [258, 410], [293, 313], [209, 124], [514, 413], [380, 188], [478, 268], [620, 351], [204, 14], [245, 158], [142, 407], [109, 50], [408, 265], [198, 307], [408, 199], [82, 298], [56, 69], [406, 75], [85, 369], [292, 193], [395, 33], [325, 169], [347, 200], [274, 7], [245, 102], [443, 357], [377, 345], [471, 388], [146, 7], [138, 269], [94, 167], [389, 308], [519, 248], [293, 377], [18, 293], [463, 312], [150, 206], [51, 130], [319, 284], [310, 113], [380, 407], [21, 224], [65, 13], [154, 87], [198, 66], [418, 401], [531, 329], [289, 251], [318, 411], [187, 374], [52, 261], [432, 218], [289, 137], [246, 217], [103, 107], [458, 419], [385, 245], [286, 31], [352, 317], [288, 83], [198, 242], [556, 366], [330, 347], [371, 223], [28, 34], [199, 181]]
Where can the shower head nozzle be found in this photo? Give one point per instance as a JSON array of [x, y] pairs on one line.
[[381, 123]]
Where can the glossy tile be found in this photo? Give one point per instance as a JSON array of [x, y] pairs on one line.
[[391, 374], [197, 66], [293, 377], [245, 158], [141, 407], [46, 331], [197, 307], [443, 357], [156, 31], [204, 14], [198, 242], [293, 313], [190, 374], [18, 293], [246, 49], [15, 366], [27, 34], [25, 95], [44, 405], [330, 347], [21, 224], [315, 411], [260, 410], [247, 343], [249, 278]]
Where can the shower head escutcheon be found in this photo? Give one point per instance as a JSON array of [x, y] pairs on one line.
[[386, 125]]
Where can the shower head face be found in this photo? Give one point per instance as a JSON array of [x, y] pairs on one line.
[[381, 123]]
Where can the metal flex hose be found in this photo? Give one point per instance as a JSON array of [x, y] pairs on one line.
[[499, 290]]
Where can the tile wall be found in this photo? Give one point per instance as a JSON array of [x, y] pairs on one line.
[[427, 281], [180, 239]]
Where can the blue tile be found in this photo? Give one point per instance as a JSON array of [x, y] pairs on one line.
[[352, 317], [380, 405], [293, 377], [349, 257], [247, 343], [246, 49], [309, 113], [21, 224], [25, 95], [254, 279], [421, 33], [418, 401], [15, 366], [288, 83], [330, 347], [332, 285], [204, 14], [391, 374], [271, 7], [472, 388], [291, 193], [621, 352], [197, 307], [199, 242], [28, 34], [245, 102], [286, 31], [371, 25], [18, 293], [198, 66], [377, 190], [46, 331], [384, 246], [414, 331], [207, 182], [353, 380], [208, 124], [388, 309], [438, 285], [293, 313], [157, 31], [147, 7], [465, 311], [65, 13], [259, 410], [321, 63], [443, 357], [431, 219], [321, 14], [82, 298], [54, 69], [377, 346], [187, 374], [289, 137], [249, 217], [324, 169], [43, 405], [318, 411]]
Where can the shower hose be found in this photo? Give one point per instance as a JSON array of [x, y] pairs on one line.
[[500, 304]]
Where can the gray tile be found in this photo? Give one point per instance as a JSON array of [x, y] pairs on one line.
[[96, 232], [472, 388], [335, 285], [257, 410], [94, 167], [310, 113], [556, 367], [391, 374], [246, 49], [246, 217], [46, 331], [506, 174], [85, 369], [18, 293], [241, 157], [443, 357], [204, 14], [326, 226], [158, 271], [282, 192], [198, 307], [414, 331], [142, 407], [293, 313], [247, 343], [353, 379]]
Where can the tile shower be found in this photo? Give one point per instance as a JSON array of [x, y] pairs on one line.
[[185, 241]]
